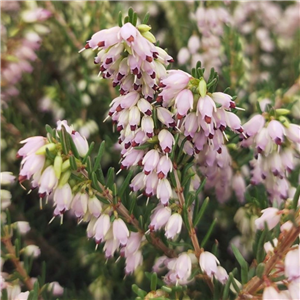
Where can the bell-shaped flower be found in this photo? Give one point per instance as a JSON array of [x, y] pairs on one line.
[[173, 226], [32, 250], [147, 126], [292, 264], [128, 32], [159, 265], [81, 143], [271, 216], [270, 293], [183, 267], [205, 107], [184, 102], [101, 228], [165, 116], [138, 182], [133, 261], [120, 231], [144, 106], [239, 187], [105, 38], [164, 191], [22, 226], [254, 125], [150, 161], [94, 206], [263, 141], [221, 275], [293, 133], [48, 181], [30, 165], [151, 184], [166, 140], [164, 166], [80, 204], [55, 288], [131, 158], [6, 178], [224, 99], [234, 122], [190, 125], [32, 144], [134, 242], [276, 131], [160, 218], [111, 244], [63, 197], [208, 263]]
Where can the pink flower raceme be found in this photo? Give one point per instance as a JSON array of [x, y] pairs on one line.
[[142, 67]]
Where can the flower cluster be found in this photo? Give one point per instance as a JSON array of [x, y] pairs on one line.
[[23, 51], [276, 145]]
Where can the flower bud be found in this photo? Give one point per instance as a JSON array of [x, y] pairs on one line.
[[32, 250], [80, 143], [42, 150], [149, 36], [202, 88], [57, 165]]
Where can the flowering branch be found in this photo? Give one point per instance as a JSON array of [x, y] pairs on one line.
[[6, 240], [257, 283]]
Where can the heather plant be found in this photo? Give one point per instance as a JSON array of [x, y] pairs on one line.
[[151, 180]]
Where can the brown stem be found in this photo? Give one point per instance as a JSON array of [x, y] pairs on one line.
[[20, 269], [256, 283], [192, 231]]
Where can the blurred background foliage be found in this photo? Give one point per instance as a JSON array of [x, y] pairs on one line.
[[56, 82]]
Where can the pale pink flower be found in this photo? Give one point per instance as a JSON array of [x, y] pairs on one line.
[[183, 267], [81, 143], [48, 181], [63, 197], [268, 246], [22, 296], [190, 125], [224, 99], [221, 275], [150, 161], [233, 122], [183, 103], [151, 184], [294, 288], [254, 125], [128, 33], [194, 44], [111, 244], [120, 231], [133, 261], [131, 158], [164, 166], [183, 56], [104, 38], [6, 178], [160, 218], [144, 106], [23, 227], [94, 206], [293, 133], [173, 226], [166, 140], [287, 226], [79, 204], [164, 191], [138, 182], [270, 216], [134, 242], [159, 264], [292, 264], [165, 116], [30, 165], [56, 288], [32, 250], [276, 131], [208, 263], [205, 107], [270, 293], [101, 228], [32, 144], [147, 126]]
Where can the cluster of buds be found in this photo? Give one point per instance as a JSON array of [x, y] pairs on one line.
[[276, 142]]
